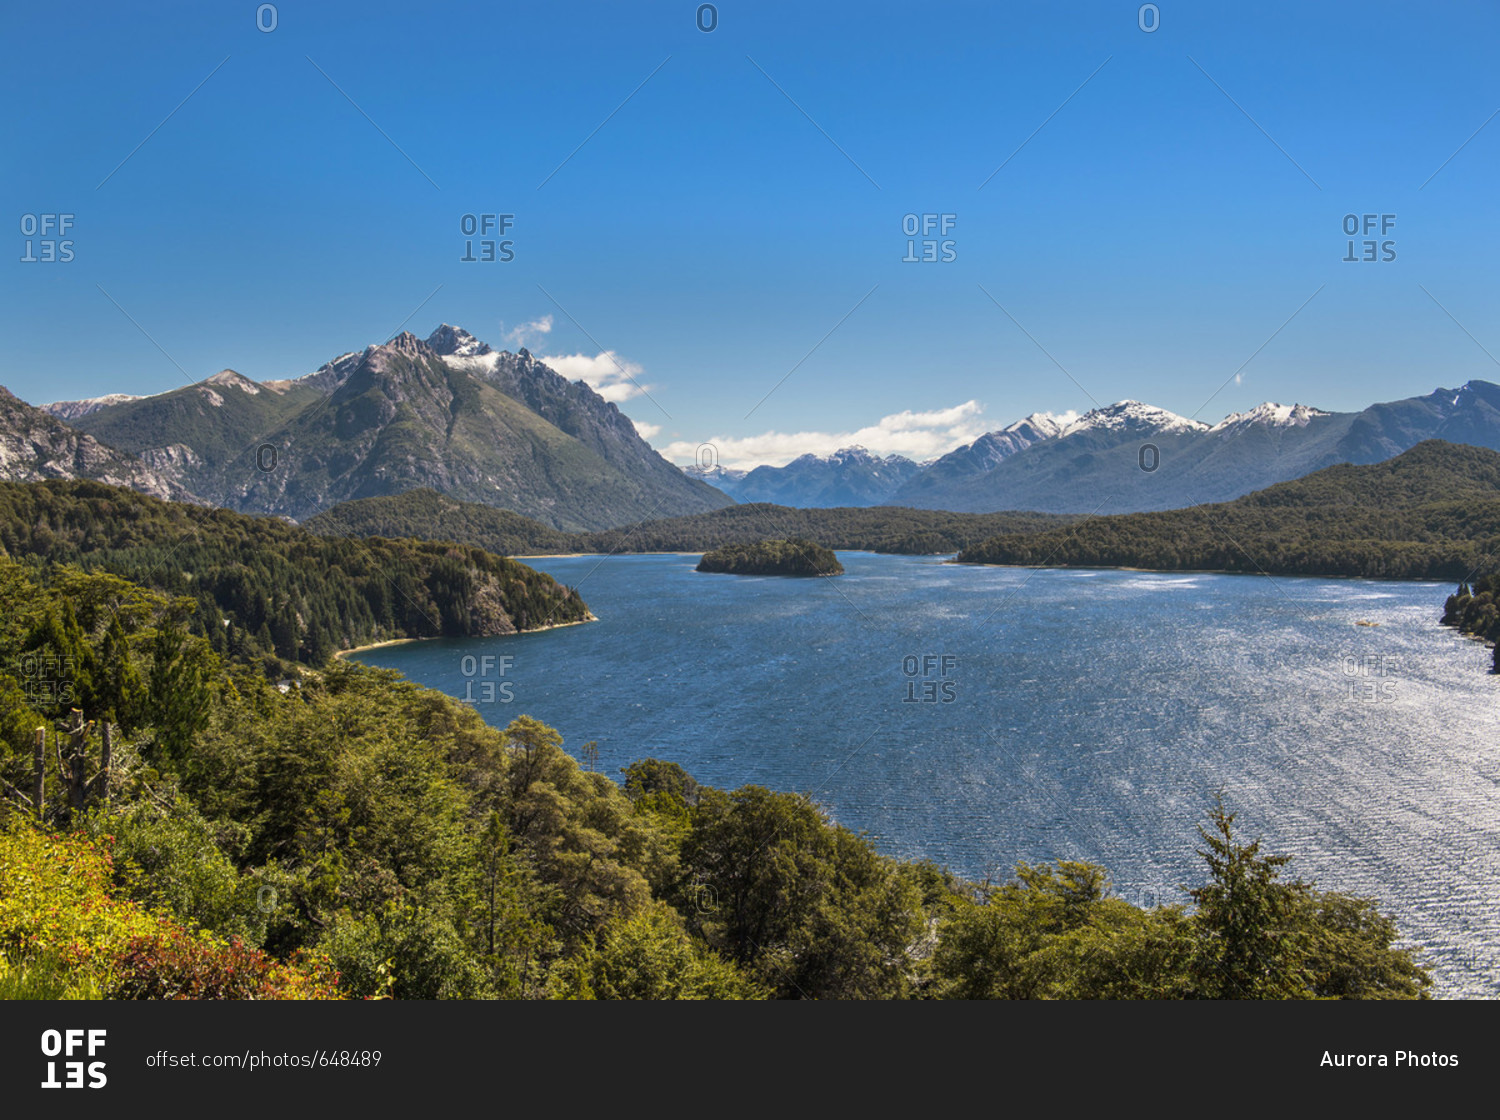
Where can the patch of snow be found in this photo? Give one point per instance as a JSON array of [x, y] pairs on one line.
[[229, 377], [473, 363], [73, 410], [1272, 415], [1123, 415]]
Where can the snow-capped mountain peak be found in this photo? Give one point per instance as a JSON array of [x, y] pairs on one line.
[[461, 350], [1272, 415], [1128, 415], [231, 379], [455, 342], [74, 410], [1042, 425]]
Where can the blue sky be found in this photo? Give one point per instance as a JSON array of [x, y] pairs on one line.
[[1144, 242]]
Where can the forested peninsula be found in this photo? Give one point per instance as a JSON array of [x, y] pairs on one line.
[[261, 587], [1432, 512]]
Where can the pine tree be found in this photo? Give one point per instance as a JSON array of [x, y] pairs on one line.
[[1249, 946]]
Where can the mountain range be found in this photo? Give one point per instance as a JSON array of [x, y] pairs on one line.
[[450, 414], [851, 476], [1130, 457], [447, 412]]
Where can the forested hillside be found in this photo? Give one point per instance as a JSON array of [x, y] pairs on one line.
[[194, 831], [263, 588], [426, 515], [1430, 513]]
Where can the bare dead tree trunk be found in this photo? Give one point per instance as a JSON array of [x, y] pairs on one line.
[[74, 765], [39, 771], [106, 755]]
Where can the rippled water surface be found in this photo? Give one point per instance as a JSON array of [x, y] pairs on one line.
[[981, 716]]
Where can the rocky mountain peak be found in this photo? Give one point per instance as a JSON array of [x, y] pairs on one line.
[[455, 342], [230, 379], [408, 344]]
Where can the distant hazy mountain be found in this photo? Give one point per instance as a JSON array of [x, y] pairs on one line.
[[726, 479], [35, 445], [851, 476], [448, 413], [979, 458], [1101, 461]]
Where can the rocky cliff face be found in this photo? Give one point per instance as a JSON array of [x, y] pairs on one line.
[[35, 445]]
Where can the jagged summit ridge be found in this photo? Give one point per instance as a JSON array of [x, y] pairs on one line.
[[1131, 415], [1273, 415]]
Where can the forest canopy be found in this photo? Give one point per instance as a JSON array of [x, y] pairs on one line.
[[209, 835], [262, 588]]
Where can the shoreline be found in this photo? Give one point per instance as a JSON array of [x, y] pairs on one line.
[[343, 653], [577, 555]]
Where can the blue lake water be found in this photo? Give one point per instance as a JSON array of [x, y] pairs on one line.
[[984, 716]]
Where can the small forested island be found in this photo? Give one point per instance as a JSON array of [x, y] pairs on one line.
[[772, 558]]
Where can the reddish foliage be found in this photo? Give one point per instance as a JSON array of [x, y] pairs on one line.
[[177, 965]]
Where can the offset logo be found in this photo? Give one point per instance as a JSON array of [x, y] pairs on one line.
[[73, 1045], [941, 248], [1355, 224], [45, 235], [488, 672], [490, 228], [930, 678]]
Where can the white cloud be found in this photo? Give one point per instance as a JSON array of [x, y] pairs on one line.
[[917, 435], [645, 430], [609, 375], [520, 336]]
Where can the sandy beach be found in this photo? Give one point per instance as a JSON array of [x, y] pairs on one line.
[[341, 654]]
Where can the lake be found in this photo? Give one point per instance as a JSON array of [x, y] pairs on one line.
[[983, 716]]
